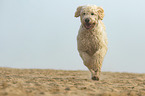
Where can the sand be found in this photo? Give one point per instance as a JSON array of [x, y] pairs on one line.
[[40, 82]]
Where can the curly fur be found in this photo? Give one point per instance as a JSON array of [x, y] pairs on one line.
[[92, 38]]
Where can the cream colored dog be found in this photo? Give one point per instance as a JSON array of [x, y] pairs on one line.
[[92, 38]]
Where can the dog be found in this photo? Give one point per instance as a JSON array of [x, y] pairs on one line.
[[92, 39]]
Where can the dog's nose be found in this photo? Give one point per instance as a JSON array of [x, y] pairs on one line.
[[87, 20]]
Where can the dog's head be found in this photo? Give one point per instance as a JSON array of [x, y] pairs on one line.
[[89, 15]]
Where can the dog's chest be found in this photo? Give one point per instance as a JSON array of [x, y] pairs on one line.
[[88, 42]]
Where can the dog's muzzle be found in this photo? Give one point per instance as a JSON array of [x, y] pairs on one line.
[[88, 24]]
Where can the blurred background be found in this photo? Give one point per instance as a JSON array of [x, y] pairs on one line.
[[42, 34]]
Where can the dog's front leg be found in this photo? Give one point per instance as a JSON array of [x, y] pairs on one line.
[[89, 62], [98, 57], [86, 58]]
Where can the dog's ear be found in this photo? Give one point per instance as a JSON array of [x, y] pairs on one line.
[[100, 12], [77, 13]]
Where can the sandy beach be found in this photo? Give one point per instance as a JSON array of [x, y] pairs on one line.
[[47, 82]]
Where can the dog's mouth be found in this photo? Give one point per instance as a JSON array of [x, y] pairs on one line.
[[89, 25]]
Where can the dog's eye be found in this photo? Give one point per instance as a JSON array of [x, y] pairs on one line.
[[84, 13], [92, 13]]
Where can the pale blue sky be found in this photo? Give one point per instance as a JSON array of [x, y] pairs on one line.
[[42, 34]]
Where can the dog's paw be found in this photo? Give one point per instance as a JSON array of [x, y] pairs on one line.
[[95, 78]]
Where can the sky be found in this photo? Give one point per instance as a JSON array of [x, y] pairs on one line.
[[42, 34]]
